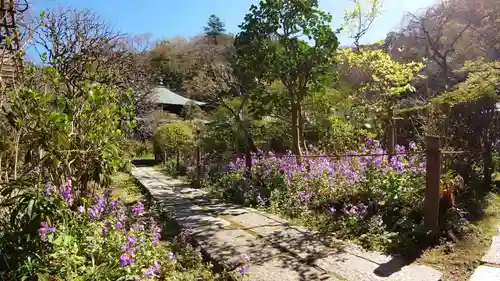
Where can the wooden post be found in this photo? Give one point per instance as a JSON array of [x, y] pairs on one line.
[[391, 142], [446, 109], [487, 159], [432, 185], [198, 160]]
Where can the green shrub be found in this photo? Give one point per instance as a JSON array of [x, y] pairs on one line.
[[65, 133], [139, 148], [172, 168], [173, 138], [191, 111]]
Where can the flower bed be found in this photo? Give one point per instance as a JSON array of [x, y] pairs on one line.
[[103, 239], [362, 195]]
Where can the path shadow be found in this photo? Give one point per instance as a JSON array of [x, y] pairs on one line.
[[144, 162], [391, 267]]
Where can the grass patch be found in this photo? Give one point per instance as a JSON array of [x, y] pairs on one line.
[[458, 261], [124, 186]]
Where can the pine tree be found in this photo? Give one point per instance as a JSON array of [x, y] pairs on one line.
[[214, 26]]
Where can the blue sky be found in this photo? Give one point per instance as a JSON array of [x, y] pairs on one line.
[[169, 18]]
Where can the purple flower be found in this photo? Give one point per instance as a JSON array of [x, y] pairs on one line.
[[105, 229], [359, 210], [113, 204], [98, 208], [138, 226], [126, 259], [412, 145], [231, 167], [156, 233], [245, 258], [332, 210], [245, 264], [138, 208], [151, 272], [128, 251], [46, 227], [49, 189], [119, 225], [400, 149], [92, 214], [170, 255], [131, 241], [304, 197], [66, 191], [81, 209], [123, 260]]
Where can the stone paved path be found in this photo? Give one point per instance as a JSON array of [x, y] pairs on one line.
[[490, 270], [278, 251]]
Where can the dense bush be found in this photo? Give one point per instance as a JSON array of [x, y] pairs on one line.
[[139, 148], [371, 199], [173, 138], [58, 132], [191, 111]]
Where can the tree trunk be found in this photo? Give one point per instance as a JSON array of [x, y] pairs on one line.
[[487, 159], [301, 126], [249, 146], [178, 163], [248, 152], [295, 128], [301, 133], [446, 76], [198, 164], [391, 136], [0, 167]]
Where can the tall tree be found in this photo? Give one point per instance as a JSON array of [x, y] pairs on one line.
[[215, 27], [270, 45]]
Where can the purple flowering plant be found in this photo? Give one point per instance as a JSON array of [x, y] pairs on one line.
[[356, 185], [103, 231]]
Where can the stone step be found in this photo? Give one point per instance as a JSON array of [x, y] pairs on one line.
[[490, 270], [278, 250], [486, 273]]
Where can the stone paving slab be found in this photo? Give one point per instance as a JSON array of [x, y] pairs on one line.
[[278, 251], [486, 273], [345, 259], [493, 254]]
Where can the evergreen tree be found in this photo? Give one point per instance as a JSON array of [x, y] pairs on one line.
[[214, 26]]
